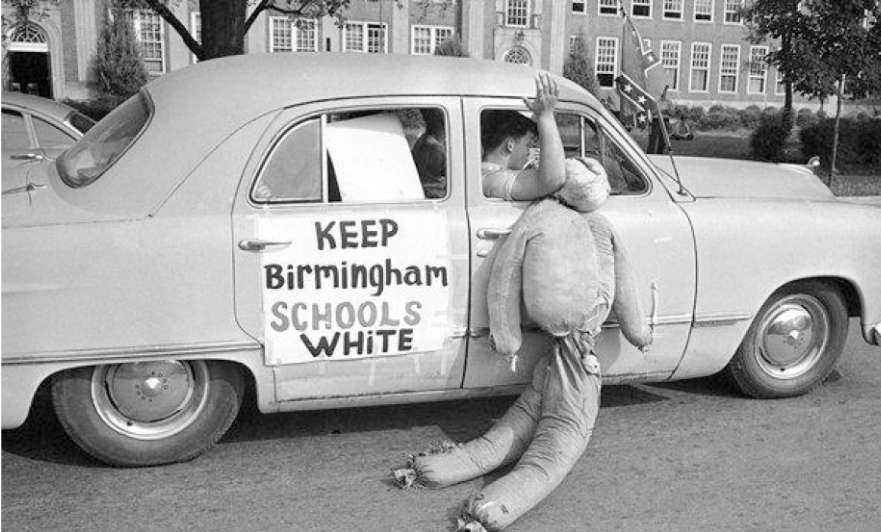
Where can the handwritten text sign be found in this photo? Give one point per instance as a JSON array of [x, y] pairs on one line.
[[355, 286]]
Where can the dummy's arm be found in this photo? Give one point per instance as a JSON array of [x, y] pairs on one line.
[[626, 306], [504, 292]]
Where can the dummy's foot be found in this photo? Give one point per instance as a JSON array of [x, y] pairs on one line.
[[405, 477], [470, 525]]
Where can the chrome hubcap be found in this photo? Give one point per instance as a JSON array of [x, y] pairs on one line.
[[792, 336], [150, 400]]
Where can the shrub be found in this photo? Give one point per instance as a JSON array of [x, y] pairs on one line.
[[859, 142], [451, 47], [579, 69], [751, 116], [805, 117], [768, 139], [119, 70], [720, 117]]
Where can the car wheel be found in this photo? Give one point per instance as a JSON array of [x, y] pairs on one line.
[[148, 413], [793, 342]]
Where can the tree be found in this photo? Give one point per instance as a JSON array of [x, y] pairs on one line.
[[784, 21], [225, 22], [841, 54], [119, 70], [577, 67]]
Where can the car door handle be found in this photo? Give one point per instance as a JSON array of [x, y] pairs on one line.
[[30, 187], [27, 157], [263, 245], [492, 233]]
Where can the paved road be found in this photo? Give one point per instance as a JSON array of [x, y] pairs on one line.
[[691, 456]]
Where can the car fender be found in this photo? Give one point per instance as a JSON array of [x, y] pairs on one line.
[[747, 249]]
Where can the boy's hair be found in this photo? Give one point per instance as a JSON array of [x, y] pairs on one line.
[[496, 126]]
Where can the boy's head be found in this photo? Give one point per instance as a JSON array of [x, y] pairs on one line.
[[587, 184], [511, 131]]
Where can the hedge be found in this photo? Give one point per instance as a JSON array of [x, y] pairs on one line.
[[859, 141]]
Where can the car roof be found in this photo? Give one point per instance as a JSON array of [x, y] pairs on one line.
[[253, 84], [37, 104], [195, 108]]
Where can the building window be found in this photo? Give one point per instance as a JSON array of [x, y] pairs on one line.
[[608, 7], [426, 39], [642, 8], [758, 70], [288, 35], [573, 39], [703, 10], [673, 9], [305, 35], [732, 11], [517, 13], [366, 37], [728, 68], [779, 85], [700, 67], [606, 60], [579, 7], [280, 34], [518, 56], [150, 33], [670, 56]]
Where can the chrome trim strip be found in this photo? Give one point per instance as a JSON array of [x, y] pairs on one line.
[[162, 351], [717, 320]]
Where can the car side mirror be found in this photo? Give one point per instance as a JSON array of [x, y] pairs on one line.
[[814, 162]]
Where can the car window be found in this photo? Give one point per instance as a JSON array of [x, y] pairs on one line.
[[80, 122], [368, 155], [104, 143], [51, 137], [15, 133], [582, 136], [293, 172]]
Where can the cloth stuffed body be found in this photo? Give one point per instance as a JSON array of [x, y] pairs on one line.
[[561, 266]]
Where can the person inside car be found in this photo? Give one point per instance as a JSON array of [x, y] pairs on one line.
[[508, 136], [430, 154]]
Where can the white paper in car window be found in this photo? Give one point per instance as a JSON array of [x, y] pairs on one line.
[[371, 159]]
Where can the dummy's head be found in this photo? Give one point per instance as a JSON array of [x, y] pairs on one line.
[[587, 184]]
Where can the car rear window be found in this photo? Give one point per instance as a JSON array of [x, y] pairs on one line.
[[80, 122], [104, 143]]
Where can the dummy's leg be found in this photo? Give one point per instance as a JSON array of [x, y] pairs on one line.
[[503, 443], [569, 407]]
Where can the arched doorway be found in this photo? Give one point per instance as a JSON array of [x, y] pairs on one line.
[[27, 55]]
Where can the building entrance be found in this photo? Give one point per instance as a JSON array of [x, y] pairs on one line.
[[28, 60]]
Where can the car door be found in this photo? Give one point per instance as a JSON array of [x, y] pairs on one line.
[[653, 228], [351, 267]]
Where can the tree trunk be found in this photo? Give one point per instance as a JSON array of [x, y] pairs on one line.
[[835, 130], [223, 25]]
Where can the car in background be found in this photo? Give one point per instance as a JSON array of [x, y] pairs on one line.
[[35, 129], [214, 233]]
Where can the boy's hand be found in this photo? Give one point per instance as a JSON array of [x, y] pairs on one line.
[[546, 94]]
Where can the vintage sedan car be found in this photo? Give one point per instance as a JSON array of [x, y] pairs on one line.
[[213, 233], [35, 129]]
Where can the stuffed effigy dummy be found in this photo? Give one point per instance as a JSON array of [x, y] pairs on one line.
[[562, 267]]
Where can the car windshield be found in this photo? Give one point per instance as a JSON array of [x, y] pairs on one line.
[[80, 122], [104, 143]]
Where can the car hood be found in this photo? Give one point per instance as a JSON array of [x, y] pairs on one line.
[[705, 177]]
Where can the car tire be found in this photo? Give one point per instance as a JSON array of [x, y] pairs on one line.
[[148, 413], [793, 342]]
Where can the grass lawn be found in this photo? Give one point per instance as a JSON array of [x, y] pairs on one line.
[[735, 145]]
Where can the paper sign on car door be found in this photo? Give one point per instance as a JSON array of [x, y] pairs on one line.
[[351, 286]]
